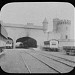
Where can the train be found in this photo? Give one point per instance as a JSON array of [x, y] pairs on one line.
[[9, 43], [69, 47], [70, 50], [53, 45]]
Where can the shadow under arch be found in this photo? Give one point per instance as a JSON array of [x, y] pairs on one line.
[[27, 42]]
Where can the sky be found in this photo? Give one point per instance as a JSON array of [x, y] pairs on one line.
[[35, 12]]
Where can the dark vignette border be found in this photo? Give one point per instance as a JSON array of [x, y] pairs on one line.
[[3, 2]]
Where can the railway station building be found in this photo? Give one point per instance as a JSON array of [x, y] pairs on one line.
[[3, 36]]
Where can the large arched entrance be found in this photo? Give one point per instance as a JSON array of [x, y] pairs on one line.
[[26, 42]]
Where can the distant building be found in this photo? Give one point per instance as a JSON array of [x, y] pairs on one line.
[[62, 27]]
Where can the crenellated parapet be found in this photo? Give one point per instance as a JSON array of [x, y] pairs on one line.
[[68, 22], [58, 21]]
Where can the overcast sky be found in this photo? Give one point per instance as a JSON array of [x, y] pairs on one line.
[[21, 13]]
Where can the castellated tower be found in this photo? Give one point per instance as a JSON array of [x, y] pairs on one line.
[[55, 24], [45, 25], [62, 27]]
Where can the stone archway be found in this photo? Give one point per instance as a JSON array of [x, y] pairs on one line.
[[27, 42]]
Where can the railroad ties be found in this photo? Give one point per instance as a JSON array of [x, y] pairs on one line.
[[40, 62], [32, 61]]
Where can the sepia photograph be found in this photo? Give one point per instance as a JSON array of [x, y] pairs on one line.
[[37, 37]]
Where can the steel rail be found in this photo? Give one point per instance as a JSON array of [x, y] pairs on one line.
[[25, 64], [62, 58], [58, 60], [43, 63]]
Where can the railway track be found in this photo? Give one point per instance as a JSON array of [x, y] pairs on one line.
[[25, 64], [62, 58], [38, 62], [42, 63], [67, 66], [58, 59]]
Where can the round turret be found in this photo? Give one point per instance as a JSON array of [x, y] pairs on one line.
[[45, 24], [45, 21]]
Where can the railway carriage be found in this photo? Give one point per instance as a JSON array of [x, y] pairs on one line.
[[51, 45], [70, 50], [9, 43]]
